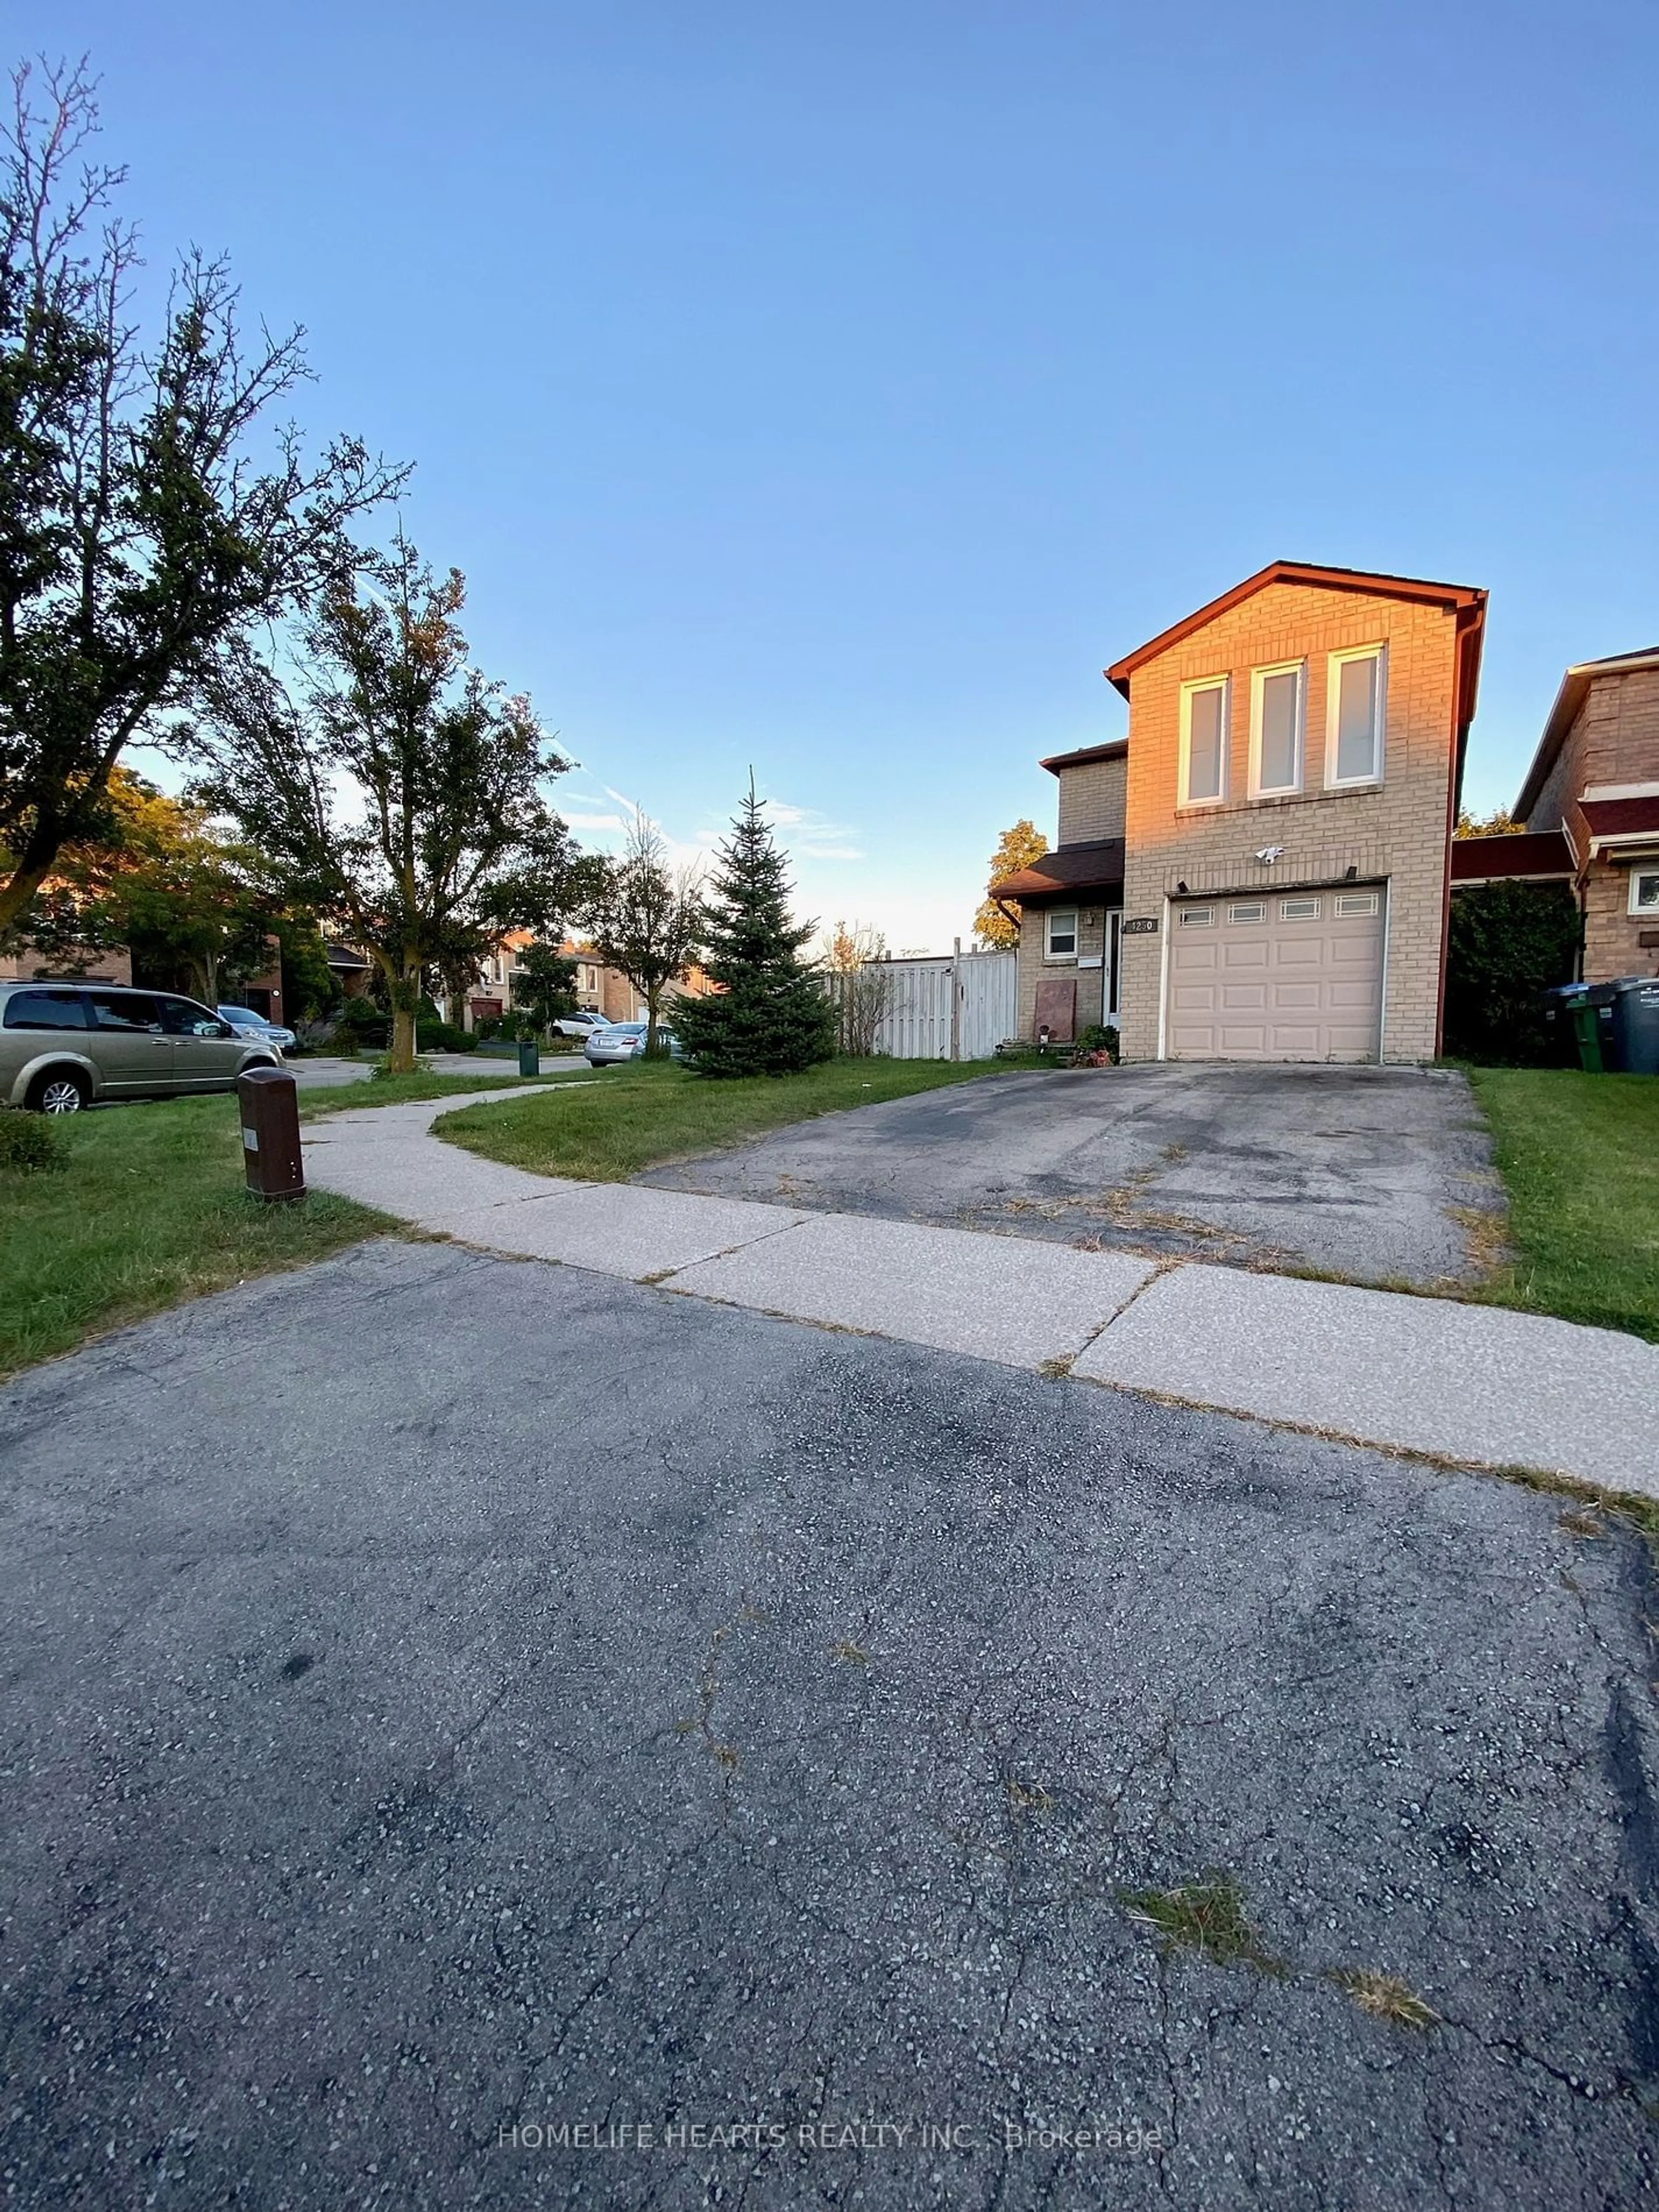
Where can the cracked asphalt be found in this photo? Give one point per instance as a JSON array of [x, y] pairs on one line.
[[479, 1734], [1376, 1174]]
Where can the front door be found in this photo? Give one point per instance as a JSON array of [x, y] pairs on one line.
[[131, 1050]]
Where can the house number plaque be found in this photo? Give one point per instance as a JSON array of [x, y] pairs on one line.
[[1141, 925]]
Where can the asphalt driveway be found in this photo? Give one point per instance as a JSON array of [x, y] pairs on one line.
[[1378, 1174], [478, 1734]]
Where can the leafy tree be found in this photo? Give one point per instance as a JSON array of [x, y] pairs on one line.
[[645, 920], [1016, 849], [310, 989], [137, 538], [1501, 824], [1510, 942], [544, 985], [191, 914], [161, 883], [399, 793], [769, 1013]]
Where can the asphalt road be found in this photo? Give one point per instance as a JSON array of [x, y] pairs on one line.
[[453, 1701], [1358, 1171]]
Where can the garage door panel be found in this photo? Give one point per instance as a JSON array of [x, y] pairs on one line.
[[1304, 986]]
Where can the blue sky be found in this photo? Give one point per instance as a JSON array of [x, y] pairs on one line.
[[839, 390]]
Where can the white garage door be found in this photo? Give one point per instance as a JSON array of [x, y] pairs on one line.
[[1295, 977]]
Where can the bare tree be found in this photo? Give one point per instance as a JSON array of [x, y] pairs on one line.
[[860, 984], [137, 538], [645, 918]]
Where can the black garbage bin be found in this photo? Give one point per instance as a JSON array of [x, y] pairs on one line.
[[1560, 1038], [1632, 1048], [530, 1056], [1594, 1016]]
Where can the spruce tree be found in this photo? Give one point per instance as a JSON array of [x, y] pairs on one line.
[[770, 1014]]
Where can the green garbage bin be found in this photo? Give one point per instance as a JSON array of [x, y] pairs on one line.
[[1555, 1007], [530, 1056], [1587, 1028]]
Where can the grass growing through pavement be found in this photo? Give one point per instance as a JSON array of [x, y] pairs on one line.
[[642, 1117], [1207, 1918], [148, 1209], [1580, 1155]]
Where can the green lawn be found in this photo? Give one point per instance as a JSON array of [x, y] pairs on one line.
[[1580, 1155], [641, 1117], [151, 1210], [398, 1089]]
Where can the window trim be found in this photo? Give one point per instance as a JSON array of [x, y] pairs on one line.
[[1258, 689], [1640, 875], [1049, 912], [1334, 663], [1189, 692]]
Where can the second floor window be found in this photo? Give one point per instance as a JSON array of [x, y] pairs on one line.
[[1355, 715], [1276, 697], [1204, 743]]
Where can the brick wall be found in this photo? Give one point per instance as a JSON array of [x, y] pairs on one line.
[[1092, 801], [1396, 832], [1035, 967], [113, 966], [1613, 739], [1612, 935]]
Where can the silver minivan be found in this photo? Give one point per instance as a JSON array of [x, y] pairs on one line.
[[63, 1046]]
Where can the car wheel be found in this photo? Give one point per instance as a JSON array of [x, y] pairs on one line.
[[60, 1090]]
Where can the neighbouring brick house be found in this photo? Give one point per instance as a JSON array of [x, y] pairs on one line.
[[1590, 809], [1261, 870], [112, 965], [599, 989]]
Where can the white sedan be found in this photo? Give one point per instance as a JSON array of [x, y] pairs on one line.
[[620, 1041]]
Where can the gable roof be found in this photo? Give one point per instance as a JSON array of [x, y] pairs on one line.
[[1467, 600], [1575, 689]]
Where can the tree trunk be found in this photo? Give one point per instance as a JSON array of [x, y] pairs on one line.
[[27, 878], [405, 1005]]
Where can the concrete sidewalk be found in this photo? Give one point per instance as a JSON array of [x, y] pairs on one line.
[[1462, 1383]]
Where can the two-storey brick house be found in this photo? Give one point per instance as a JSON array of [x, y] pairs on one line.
[[1261, 870], [1590, 807]]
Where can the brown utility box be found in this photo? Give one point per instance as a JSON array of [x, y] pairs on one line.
[[269, 1102]]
